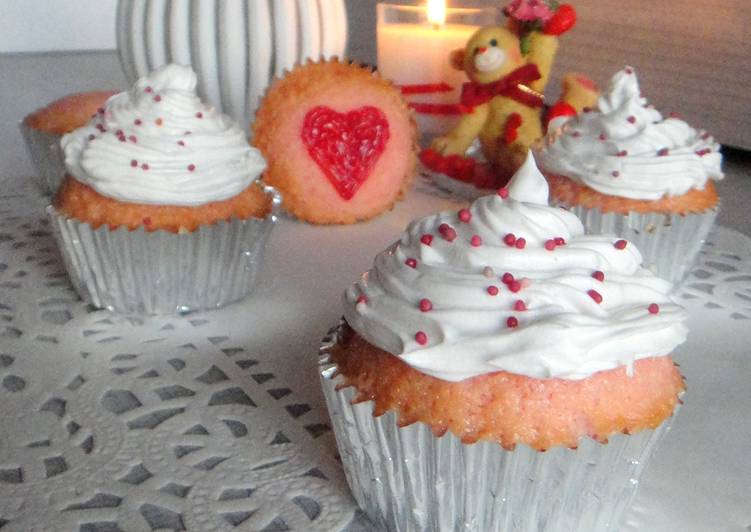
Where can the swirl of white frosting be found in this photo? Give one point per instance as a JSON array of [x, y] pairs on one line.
[[626, 148], [159, 144], [437, 298]]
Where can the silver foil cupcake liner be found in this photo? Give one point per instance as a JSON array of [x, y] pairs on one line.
[[159, 272], [669, 243], [407, 479], [46, 155]]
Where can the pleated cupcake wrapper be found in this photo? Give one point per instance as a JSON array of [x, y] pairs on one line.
[[669, 243], [160, 272], [407, 479], [47, 157]]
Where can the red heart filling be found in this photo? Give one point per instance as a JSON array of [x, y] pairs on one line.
[[346, 146]]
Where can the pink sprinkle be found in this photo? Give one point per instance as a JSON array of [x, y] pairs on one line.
[[476, 241], [622, 153], [133, 163], [157, 98], [603, 136], [145, 166], [121, 139], [631, 119], [133, 139], [515, 286], [615, 173], [148, 89], [510, 239], [629, 70], [620, 244], [421, 338], [550, 245], [119, 133], [520, 306], [362, 299], [663, 152], [512, 322], [137, 121], [703, 152], [595, 295], [493, 290], [199, 114], [426, 305], [465, 216], [412, 263], [507, 278], [426, 239], [503, 192], [191, 167], [560, 241], [447, 232], [600, 276], [654, 308], [520, 243], [181, 143], [101, 128]]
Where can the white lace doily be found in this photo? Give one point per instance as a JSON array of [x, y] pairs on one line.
[[176, 423]]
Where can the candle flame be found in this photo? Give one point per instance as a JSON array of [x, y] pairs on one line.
[[437, 12]]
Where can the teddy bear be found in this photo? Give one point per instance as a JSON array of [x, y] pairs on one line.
[[508, 68]]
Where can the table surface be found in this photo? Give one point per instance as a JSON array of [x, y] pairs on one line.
[[281, 324]]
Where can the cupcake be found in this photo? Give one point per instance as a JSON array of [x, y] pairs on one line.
[[340, 142], [43, 129], [624, 169], [161, 210], [498, 369]]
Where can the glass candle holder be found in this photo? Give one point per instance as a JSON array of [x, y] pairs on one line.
[[414, 53]]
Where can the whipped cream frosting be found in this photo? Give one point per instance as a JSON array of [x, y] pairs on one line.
[[626, 148], [159, 144], [513, 284]]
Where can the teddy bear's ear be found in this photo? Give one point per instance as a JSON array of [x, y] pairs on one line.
[[457, 59]]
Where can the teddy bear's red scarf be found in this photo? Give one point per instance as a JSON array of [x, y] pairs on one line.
[[478, 93]]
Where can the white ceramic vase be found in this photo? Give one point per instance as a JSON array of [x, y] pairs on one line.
[[235, 46]]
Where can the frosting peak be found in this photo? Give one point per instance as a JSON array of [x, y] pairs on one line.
[[159, 144], [627, 148], [513, 284]]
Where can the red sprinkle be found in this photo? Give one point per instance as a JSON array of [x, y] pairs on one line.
[[476, 241], [615, 173], [673, 114], [520, 243], [426, 239], [147, 221], [603, 136], [550, 244], [426, 305], [199, 114], [629, 70], [101, 128], [191, 167], [620, 244], [515, 286], [133, 163], [362, 299], [600, 276], [654, 308], [100, 110], [447, 232], [157, 98], [421, 338], [145, 166], [133, 139], [512, 322], [622, 153], [493, 290], [631, 119], [507, 278], [703, 152], [520, 306], [181, 143], [503, 192], [412, 263], [148, 89], [559, 241], [464, 215], [137, 121], [510, 239], [663, 152], [595, 295]]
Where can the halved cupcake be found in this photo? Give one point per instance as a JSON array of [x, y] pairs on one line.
[[499, 369], [623, 168]]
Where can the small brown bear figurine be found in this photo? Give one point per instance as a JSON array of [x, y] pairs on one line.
[[508, 68]]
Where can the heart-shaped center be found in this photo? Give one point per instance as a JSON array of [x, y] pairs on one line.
[[346, 146]]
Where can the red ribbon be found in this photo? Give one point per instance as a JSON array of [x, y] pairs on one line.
[[474, 94]]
